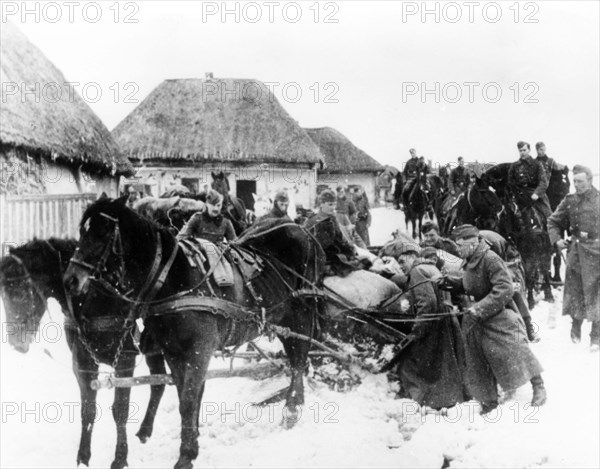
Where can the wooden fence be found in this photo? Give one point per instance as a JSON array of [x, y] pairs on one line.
[[42, 216]]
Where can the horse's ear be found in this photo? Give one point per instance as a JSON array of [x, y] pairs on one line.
[[214, 176], [254, 196], [122, 200], [103, 196], [221, 175]]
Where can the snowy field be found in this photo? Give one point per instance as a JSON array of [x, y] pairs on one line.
[[365, 427]]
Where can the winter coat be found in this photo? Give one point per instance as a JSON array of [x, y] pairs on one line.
[[363, 218], [496, 342], [580, 214], [458, 180], [527, 177], [202, 225], [339, 250], [431, 370]]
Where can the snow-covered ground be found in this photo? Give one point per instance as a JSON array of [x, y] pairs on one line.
[[365, 427]]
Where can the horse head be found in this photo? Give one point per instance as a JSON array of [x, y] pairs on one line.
[[220, 183], [102, 244], [26, 281]]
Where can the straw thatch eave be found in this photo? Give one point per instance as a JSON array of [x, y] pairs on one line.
[[42, 115], [340, 154], [213, 120]]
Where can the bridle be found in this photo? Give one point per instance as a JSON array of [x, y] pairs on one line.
[[114, 245]]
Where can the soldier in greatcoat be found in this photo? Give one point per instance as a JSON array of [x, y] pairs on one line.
[[580, 212], [430, 369], [497, 349], [363, 215]]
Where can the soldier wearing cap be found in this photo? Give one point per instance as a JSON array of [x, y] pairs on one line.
[[458, 181], [496, 342], [339, 250], [431, 368], [210, 223], [528, 182], [579, 213], [431, 232], [281, 202], [510, 255]]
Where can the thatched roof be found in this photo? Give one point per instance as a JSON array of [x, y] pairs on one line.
[[340, 154], [42, 115], [195, 120]]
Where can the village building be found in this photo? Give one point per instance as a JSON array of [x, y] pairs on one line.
[[345, 164], [186, 129], [55, 154]]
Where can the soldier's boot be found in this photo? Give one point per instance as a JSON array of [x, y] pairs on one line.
[[531, 330], [576, 330], [539, 391], [595, 337]]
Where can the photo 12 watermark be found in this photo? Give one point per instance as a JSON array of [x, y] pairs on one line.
[[270, 12], [469, 92], [470, 12], [70, 12]]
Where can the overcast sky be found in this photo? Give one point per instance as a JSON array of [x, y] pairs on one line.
[[373, 63]]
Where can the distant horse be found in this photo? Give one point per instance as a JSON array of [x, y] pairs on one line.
[[193, 316], [233, 207], [437, 193], [558, 187], [30, 275], [416, 204]]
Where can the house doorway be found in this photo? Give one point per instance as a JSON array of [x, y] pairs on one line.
[[244, 190]]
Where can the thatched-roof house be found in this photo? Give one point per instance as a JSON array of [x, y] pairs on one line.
[[345, 163], [51, 142], [187, 128]]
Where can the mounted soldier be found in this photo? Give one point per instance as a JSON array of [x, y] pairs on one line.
[[528, 183], [579, 213], [458, 181], [412, 167]]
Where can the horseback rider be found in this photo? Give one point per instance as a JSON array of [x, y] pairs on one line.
[[528, 182], [459, 179], [409, 173], [210, 223], [496, 346], [579, 212]]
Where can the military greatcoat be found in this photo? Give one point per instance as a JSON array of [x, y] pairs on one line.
[[580, 213]]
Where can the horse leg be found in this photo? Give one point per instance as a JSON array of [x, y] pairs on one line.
[[190, 390], [156, 364], [120, 410], [297, 352], [85, 371]]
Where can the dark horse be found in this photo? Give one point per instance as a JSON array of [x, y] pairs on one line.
[[30, 275], [416, 204], [478, 206], [532, 243], [233, 207], [190, 316]]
